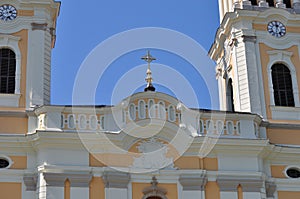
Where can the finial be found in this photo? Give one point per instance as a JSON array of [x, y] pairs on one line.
[[148, 58]]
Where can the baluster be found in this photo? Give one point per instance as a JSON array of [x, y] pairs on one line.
[[280, 4], [263, 3]]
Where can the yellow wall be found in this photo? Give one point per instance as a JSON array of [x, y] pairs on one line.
[[26, 13], [110, 159], [23, 46], [97, 189], [190, 162], [288, 195], [19, 162], [284, 136], [10, 190], [277, 171], [13, 125], [137, 190], [67, 192], [212, 190], [240, 192]]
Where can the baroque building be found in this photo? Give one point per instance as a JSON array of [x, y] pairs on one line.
[[150, 145]]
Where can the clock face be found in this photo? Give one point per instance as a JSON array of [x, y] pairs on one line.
[[8, 12], [276, 28]]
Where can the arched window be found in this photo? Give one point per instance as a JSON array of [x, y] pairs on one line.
[[7, 71], [282, 85], [229, 96], [142, 111], [271, 3]]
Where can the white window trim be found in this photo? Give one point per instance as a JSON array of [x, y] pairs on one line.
[[140, 111], [169, 113], [12, 42], [291, 167], [284, 57]]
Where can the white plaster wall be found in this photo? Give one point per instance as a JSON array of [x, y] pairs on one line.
[[63, 157], [229, 195], [114, 193], [238, 163], [79, 192], [35, 65], [192, 194]]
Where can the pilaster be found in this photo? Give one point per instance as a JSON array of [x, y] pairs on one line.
[[55, 184], [116, 185], [193, 186]]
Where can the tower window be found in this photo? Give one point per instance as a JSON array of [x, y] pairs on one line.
[[271, 3], [282, 85], [7, 71], [229, 95]]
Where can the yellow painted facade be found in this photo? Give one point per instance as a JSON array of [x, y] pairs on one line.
[[11, 190], [8, 125], [212, 190], [19, 162], [97, 188], [288, 194], [277, 171]]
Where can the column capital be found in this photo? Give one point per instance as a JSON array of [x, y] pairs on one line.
[[270, 189], [76, 180], [248, 184], [116, 179], [193, 182], [30, 181], [248, 38]]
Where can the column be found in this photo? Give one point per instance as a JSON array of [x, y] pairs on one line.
[[246, 4], [236, 4], [193, 186], [251, 188], [116, 185], [80, 185], [29, 186], [228, 188], [55, 183], [280, 4], [51, 186], [263, 3], [270, 189]]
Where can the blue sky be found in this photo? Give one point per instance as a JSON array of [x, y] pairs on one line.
[[83, 26]]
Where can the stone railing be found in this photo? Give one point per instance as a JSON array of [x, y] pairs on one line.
[[113, 119]]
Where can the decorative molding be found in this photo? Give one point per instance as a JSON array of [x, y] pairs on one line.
[[228, 184], [30, 181], [37, 26], [247, 38], [270, 189], [76, 180], [154, 190], [193, 182], [116, 180]]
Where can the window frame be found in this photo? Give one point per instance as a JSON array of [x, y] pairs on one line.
[[287, 91], [12, 43], [282, 57]]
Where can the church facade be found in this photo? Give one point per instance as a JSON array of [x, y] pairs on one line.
[[150, 145]]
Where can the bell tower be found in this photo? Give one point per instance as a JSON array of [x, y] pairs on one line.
[[27, 36], [256, 50]]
